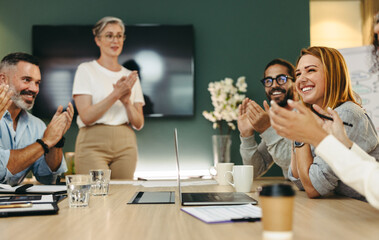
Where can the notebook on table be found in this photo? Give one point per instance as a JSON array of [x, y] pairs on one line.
[[33, 209], [21, 205], [208, 198]]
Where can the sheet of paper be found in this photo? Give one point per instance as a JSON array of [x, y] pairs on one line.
[[163, 183], [6, 186], [222, 214], [174, 183], [22, 198], [34, 207], [35, 188], [46, 188], [199, 183], [159, 183], [122, 182], [44, 198]]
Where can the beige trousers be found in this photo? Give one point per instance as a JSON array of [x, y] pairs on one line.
[[103, 146]]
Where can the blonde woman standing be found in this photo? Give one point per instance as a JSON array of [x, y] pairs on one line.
[[109, 101]]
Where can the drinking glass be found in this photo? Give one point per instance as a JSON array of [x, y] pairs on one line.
[[78, 190], [100, 181]]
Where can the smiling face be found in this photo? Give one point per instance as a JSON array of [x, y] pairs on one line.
[[279, 93], [107, 42], [24, 80], [310, 80]]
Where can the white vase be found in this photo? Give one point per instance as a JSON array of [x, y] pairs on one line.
[[221, 148]]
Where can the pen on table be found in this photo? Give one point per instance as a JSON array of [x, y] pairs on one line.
[[329, 118], [23, 188], [141, 179], [245, 219], [15, 205]]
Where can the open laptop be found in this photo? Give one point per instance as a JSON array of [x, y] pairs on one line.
[[212, 198]]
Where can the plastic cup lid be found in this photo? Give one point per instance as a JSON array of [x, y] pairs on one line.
[[276, 190]]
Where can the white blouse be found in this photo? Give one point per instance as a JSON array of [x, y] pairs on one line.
[[353, 166], [93, 79]]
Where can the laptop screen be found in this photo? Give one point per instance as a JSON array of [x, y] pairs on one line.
[[206, 198], [177, 162]]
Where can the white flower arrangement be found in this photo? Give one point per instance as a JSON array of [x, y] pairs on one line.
[[225, 99]]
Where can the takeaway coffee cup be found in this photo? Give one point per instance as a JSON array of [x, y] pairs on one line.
[[277, 203]]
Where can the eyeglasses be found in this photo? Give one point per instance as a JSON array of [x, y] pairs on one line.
[[280, 79], [110, 37]]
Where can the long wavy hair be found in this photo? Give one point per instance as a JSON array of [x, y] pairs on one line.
[[375, 49], [338, 87]]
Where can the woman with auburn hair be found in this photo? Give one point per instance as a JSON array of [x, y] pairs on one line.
[[322, 78]]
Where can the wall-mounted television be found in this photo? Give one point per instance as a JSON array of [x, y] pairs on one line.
[[163, 55]]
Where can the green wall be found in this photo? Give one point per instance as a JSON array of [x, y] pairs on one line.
[[232, 38]]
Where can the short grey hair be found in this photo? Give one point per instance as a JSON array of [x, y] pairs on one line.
[[12, 59], [102, 23]]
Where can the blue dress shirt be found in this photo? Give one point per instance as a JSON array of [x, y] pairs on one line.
[[29, 129]]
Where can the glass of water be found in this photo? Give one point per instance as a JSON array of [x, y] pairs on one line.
[[78, 190], [100, 181]]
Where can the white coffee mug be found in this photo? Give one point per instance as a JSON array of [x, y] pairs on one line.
[[242, 177], [221, 169]]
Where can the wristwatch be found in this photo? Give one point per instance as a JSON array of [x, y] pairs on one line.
[[44, 145], [298, 144]]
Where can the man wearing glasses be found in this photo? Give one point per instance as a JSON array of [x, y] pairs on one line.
[[279, 84]]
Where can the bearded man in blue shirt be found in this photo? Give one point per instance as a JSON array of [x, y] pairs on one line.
[[26, 144]]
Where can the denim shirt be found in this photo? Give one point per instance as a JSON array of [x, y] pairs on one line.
[[363, 133], [29, 129]]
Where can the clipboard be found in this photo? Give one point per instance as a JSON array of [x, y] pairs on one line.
[[225, 214], [36, 209]]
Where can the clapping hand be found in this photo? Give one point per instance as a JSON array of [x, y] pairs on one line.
[[252, 117], [125, 85], [5, 99], [301, 125], [259, 117], [334, 127], [243, 123], [58, 125]]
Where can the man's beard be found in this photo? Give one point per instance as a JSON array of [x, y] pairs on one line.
[[18, 101], [283, 102]]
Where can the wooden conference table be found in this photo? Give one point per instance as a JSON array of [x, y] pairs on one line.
[[111, 218]]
